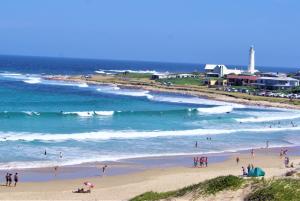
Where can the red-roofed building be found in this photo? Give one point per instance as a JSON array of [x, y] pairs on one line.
[[241, 80]]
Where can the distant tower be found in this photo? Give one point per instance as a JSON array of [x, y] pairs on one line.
[[251, 67]]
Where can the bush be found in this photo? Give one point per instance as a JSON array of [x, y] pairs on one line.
[[277, 190], [222, 183], [207, 187]]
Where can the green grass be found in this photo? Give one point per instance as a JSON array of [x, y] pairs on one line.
[[207, 187], [183, 81], [277, 190], [135, 75]]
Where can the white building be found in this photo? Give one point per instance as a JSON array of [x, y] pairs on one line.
[[219, 70], [251, 66], [274, 83]]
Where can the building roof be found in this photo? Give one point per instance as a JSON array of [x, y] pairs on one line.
[[212, 66], [248, 77], [278, 78]]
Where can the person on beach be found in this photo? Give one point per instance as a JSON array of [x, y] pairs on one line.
[[267, 144], [252, 153], [7, 178], [244, 171], [195, 161], [55, 170], [286, 162], [206, 161], [201, 162], [237, 160], [281, 153], [104, 168], [16, 179], [248, 168]]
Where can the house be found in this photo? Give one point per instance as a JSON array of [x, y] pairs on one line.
[[241, 80], [170, 76], [219, 70], [274, 83], [215, 82]]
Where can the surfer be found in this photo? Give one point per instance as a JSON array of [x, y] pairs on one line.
[[45, 153], [60, 155], [196, 144]]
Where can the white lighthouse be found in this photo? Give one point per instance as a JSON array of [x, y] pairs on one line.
[[251, 66]]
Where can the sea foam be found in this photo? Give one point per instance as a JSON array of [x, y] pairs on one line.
[[129, 134], [216, 110]]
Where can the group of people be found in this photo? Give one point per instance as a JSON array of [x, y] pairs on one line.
[[200, 161], [9, 179]]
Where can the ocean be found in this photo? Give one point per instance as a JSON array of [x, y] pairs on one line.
[[89, 123]]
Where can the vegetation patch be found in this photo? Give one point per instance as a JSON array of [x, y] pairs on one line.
[[183, 81], [207, 187], [277, 190]]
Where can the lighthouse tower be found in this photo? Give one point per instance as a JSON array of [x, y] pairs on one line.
[[251, 66]]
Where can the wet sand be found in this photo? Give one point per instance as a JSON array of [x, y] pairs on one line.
[[162, 178]]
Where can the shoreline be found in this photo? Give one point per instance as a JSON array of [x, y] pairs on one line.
[[126, 186], [149, 85], [130, 165]]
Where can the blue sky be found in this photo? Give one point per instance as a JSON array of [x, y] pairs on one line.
[[194, 31]]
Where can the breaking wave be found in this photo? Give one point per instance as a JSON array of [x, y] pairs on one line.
[[272, 117], [130, 134], [216, 110]]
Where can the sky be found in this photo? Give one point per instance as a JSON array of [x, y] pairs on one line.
[[188, 31]]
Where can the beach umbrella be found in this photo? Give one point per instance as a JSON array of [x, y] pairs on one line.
[[89, 184]]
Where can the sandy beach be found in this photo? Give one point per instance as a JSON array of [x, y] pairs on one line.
[[130, 184]]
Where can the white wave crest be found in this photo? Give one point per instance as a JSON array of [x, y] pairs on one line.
[[31, 113], [83, 85], [109, 71], [216, 110], [129, 134], [90, 113], [32, 80], [125, 92], [270, 117], [104, 113], [193, 100]]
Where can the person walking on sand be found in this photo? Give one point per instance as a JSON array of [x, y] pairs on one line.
[[16, 179], [248, 168], [206, 161], [9, 179], [55, 170], [104, 169], [195, 162], [237, 160], [252, 153], [6, 178]]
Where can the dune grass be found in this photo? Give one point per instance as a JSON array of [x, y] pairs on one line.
[[207, 187], [277, 190]]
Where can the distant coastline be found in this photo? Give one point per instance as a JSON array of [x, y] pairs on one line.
[[201, 91]]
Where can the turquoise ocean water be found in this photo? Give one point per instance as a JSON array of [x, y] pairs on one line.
[[89, 123]]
